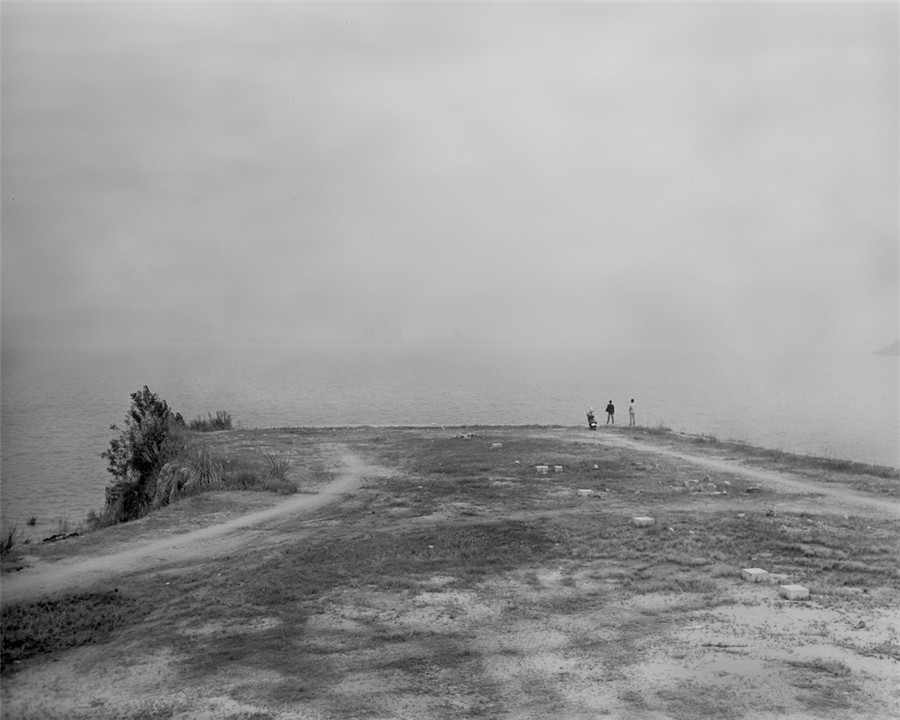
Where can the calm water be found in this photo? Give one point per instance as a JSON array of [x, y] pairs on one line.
[[58, 403]]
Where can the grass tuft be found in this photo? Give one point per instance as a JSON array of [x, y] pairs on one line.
[[9, 537], [277, 466], [660, 429], [830, 667], [222, 421]]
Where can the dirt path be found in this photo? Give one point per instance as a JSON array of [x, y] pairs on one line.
[[79, 572], [845, 497]]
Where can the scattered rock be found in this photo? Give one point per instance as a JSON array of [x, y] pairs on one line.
[[793, 592], [754, 574]]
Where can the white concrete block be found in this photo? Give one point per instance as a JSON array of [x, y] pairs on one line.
[[793, 592], [557, 468], [754, 574], [642, 521], [496, 446], [542, 469], [585, 493]]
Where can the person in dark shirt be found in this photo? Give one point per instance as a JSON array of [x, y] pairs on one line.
[[610, 413]]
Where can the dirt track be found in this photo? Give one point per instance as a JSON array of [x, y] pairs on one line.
[[80, 572], [845, 498]]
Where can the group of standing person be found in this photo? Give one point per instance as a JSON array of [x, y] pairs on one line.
[[611, 415]]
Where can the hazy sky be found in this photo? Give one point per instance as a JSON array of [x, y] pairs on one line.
[[562, 172]]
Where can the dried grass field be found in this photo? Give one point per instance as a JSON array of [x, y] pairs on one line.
[[435, 573]]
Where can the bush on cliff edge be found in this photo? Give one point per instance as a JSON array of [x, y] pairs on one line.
[[152, 436]]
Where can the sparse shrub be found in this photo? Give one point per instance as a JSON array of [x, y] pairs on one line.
[[206, 470], [264, 472], [222, 421], [277, 468], [32, 521]]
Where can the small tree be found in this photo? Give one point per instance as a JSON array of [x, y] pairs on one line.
[[135, 456]]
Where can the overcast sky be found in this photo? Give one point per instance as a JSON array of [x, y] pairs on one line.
[[711, 173]]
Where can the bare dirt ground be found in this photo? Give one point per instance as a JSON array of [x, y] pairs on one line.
[[437, 576]]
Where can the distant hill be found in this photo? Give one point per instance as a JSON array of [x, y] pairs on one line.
[[890, 349]]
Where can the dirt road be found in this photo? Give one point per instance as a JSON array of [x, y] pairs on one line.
[[79, 572], [846, 499]]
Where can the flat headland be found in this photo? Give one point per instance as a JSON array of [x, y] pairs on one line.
[[451, 572]]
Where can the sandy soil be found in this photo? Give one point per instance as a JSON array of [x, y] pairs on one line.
[[808, 660]]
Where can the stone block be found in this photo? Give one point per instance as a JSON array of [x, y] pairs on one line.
[[585, 493], [754, 574], [793, 592], [642, 521], [557, 468], [542, 469], [496, 446]]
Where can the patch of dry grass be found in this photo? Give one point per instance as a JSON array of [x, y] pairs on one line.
[[49, 626]]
